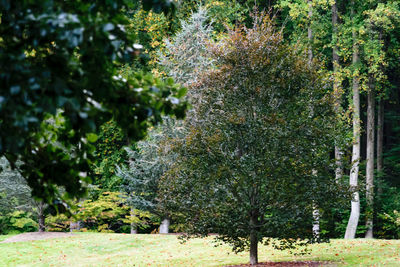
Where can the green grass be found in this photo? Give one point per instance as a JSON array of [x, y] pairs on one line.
[[90, 249]]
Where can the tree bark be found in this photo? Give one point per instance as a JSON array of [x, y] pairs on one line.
[[253, 241], [356, 151], [316, 216], [316, 226], [337, 90], [41, 217], [164, 227], [370, 158], [379, 140]]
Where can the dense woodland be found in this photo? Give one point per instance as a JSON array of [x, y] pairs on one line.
[[262, 121]]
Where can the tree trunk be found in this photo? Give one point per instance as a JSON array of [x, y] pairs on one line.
[[355, 159], [315, 227], [164, 227], [133, 225], [41, 217], [316, 216], [337, 90], [369, 214], [379, 140], [74, 226], [253, 242]]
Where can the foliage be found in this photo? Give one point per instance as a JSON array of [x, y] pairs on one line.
[[18, 221], [15, 194], [387, 208], [147, 164], [109, 153], [65, 55], [186, 55], [184, 58], [222, 14], [58, 223], [260, 151], [109, 212], [391, 223], [151, 29]]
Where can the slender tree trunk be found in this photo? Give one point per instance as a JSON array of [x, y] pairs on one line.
[[337, 90], [41, 217], [379, 140], [316, 215], [164, 227], [355, 159], [253, 241], [370, 158], [379, 131], [133, 225], [316, 227]]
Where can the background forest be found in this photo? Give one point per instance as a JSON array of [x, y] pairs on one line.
[[150, 186]]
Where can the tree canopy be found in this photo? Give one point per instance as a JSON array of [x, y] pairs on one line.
[[256, 162], [65, 57]]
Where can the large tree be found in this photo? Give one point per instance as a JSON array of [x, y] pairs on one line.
[[256, 160], [66, 55], [184, 58]]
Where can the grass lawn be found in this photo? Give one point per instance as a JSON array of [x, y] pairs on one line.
[[91, 249]]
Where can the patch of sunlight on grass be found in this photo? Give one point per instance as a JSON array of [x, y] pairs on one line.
[[96, 249]]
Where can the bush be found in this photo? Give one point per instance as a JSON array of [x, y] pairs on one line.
[[107, 214], [58, 223], [17, 222]]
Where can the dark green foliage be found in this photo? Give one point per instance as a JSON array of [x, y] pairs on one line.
[[109, 153], [65, 55], [387, 208], [256, 160], [220, 13]]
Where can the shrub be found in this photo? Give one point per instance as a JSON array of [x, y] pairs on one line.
[[17, 222]]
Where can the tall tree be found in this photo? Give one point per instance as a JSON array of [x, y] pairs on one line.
[[337, 90], [355, 159], [315, 213], [247, 166], [184, 57], [370, 157]]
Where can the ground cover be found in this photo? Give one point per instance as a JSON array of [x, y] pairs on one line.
[[95, 249]]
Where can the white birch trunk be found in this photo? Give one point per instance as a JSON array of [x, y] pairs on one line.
[[315, 227], [337, 90], [352, 224]]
